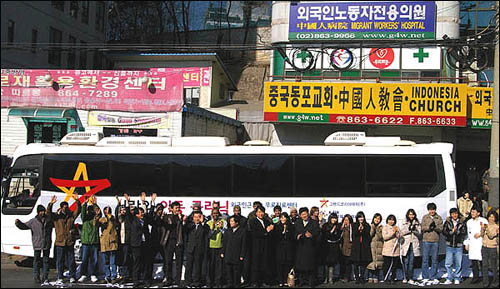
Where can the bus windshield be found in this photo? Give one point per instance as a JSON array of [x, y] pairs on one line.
[[21, 189]]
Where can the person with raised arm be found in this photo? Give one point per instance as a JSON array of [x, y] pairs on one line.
[[41, 237], [109, 244], [124, 226], [140, 243], [172, 241], [91, 213], [64, 224]]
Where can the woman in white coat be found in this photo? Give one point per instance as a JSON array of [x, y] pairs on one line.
[[474, 242]]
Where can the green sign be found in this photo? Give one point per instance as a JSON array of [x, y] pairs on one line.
[[421, 55], [303, 117], [479, 123]]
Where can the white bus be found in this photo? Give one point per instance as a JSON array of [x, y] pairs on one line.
[[350, 173]]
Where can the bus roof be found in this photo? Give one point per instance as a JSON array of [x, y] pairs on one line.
[[432, 148]]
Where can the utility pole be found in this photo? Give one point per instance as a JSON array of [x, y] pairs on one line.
[[493, 182]]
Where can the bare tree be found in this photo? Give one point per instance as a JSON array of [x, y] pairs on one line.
[[140, 21], [173, 15], [185, 19]]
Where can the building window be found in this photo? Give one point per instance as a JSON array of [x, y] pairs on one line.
[[192, 95], [59, 5], [71, 52], [85, 12], [55, 38], [430, 73], [46, 132], [83, 55], [99, 16], [73, 9], [10, 35], [97, 60], [222, 92], [34, 40]]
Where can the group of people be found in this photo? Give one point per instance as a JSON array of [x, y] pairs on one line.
[[220, 250]]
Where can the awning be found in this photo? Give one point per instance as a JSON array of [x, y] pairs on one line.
[[64, 115], [44, 112]]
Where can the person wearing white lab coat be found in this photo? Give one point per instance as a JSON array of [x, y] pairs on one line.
[[474, 242]]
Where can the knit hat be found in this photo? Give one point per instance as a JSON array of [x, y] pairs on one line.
[[40, 208]]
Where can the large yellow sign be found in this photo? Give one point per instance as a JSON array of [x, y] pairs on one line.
[[481, 106], [366, 103]]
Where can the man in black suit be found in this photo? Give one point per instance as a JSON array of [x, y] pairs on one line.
[[233, 252], [123, 258], [140, 244], [260, 228], [197, 243], [172, 241], [246, 266], [155, 215], [306, 232]]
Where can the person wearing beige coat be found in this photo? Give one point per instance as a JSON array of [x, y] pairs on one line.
[[109, 244], [391, 250], [464, 204], [411, 232], [489, 251], [376, 246], [346, 245]]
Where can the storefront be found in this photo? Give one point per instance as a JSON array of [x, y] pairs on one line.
[[37, 125]]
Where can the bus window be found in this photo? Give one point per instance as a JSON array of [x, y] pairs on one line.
[[201, 175], [404, 176], [65, 167], [22, 189], [262, 175], [134, 174], [6, 161], [329, 176]]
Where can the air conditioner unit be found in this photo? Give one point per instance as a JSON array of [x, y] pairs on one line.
[[134, 141], [256, 143], [82, 138], [200, 141], [343, 138]]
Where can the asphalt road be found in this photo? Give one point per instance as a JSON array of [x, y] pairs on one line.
[[14, 276]]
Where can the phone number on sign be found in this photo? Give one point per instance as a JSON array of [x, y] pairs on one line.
[[325, 35], [396, 120]]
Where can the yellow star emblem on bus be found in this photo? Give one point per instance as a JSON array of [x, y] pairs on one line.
[[80, 170], [69, 186], [324, 203]]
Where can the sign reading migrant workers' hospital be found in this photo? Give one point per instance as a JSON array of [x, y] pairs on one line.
[[362, 20], [421, 104]]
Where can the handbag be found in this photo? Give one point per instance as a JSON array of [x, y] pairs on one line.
[[291, 278]]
